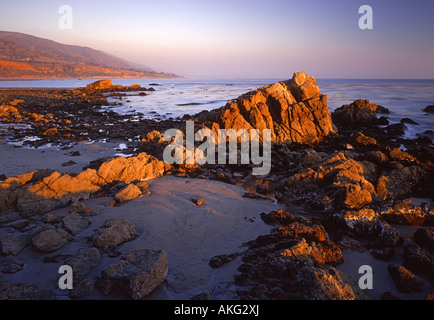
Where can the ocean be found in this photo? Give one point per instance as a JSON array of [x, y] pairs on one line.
[[177, 97]]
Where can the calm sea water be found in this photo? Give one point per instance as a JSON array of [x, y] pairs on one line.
[[176, 97]]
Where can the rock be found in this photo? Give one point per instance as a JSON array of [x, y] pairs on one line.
[[400, 182], [75, 223], [362, 221], [360, 112], [82, 288], [386, 237], [405, 280], [3, 177], [220, 260], [12, 265], [113, 232], [293, 110], [201, 296], [100, 85], [128, 193], [137, 274], [324, 284], [389, 296], [12, 244], [386, 253], [19, 291], [198, 201], [409, 121], [429, 109], [83, 262], [52, 218], [418, 259], [405, 212], [50, 240], [338, 177], [77, 207], [425, 238], [69, 163], [398, 154], [50, 132], [56, 258], [395, 130]]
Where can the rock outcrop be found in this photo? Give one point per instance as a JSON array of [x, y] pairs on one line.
[[293, 110], [137, 274]]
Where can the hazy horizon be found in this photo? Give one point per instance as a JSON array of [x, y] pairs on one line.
[[244, 39]]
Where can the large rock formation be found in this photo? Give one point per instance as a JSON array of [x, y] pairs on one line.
[[294, 110]]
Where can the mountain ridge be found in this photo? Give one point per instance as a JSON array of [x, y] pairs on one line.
[[28, 56]]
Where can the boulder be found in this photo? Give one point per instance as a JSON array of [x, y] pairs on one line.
[[405, 212], [324, 284], [12, 244], [50, 240], [75, 223], [20, 291], [100, 85], [83, 262], [137, 274], [128, 193], [429, 109], [404, 279], [360, 112], [418, 259], [293, 110], [362, 221], [113, 232], [425, 238]]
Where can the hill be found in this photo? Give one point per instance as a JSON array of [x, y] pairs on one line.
[[27, 56]]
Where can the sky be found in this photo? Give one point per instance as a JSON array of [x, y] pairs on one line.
[[265, 39]]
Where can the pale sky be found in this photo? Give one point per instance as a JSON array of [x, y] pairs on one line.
[[244, 38]]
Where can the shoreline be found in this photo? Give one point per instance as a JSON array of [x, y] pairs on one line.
[[232, 220]]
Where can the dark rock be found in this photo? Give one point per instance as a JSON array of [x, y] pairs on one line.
[[429, 109], [201, 296], [389, 296], [82, 288], [405, 212], [3, 177], [409, 121], [56, 258], [385, 254], [75, 223], [69, 163], [405, 280], [83, 262], [418, 259], [113, 232], [137, 274], [395, 130], [12, 265], [50, 240], [19, 291], [220, 260], [425, 238]]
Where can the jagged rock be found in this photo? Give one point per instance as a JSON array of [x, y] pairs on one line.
[[12, 244], [137, 274], [404, 279], [293, 110], [19, 291], [75, 223], [83, 262], [338, 177], [12, 265], [324, 284], [362, 221], [50, 240], [405, 212], [113, 232], [418, 259], [425, 238], [387, 236], [128, 193], [360, 112]]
